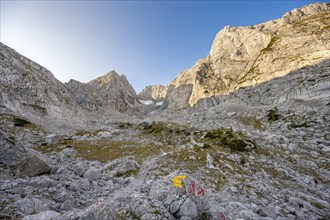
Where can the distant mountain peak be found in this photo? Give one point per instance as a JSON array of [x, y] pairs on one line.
[[105, 92], [106, 78]]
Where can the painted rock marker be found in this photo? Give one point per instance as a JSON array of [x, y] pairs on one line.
[[177, 181]]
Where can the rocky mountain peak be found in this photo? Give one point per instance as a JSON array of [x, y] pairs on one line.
[[247, 56], [306, 11], [113, 81], [110, 91], [107, 78], [74, 82]]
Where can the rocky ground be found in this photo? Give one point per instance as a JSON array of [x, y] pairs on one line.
[[259, 153], [245, 164]]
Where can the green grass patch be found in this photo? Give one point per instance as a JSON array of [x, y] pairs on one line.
[[270, 46], [19, 122], [276, 173], [317, 205], [251, 121], [104, 150], [301, 125], [273, 115], [91, 133], [124, 125], [36, 107], [169, 134], [224, 137]]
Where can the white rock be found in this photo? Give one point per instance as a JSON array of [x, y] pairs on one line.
[[46, 215], [92, 174]]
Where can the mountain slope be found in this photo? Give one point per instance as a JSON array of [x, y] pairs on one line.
[[31, 91]]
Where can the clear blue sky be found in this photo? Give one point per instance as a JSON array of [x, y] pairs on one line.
[[148, 41]]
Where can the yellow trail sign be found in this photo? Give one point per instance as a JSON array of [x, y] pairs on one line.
[[177, 181]]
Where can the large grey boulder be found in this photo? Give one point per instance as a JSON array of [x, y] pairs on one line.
[[188, 209], [33, 166], [146, 209], [29, 206], [79, 169], [23, 160], [127, 166], [46, 215], [175, 206], [92, 174], [99, 211], [11, 153]]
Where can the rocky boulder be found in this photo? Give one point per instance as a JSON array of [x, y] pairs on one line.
[[33, 166], [43, 215], [187, 209], [92, 174], [20, 158], [146, 209], [100, 210], [127, 167]]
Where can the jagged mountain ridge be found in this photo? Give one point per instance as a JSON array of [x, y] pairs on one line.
[[239, 57], [31, 91], [246, 56], [108, 91]]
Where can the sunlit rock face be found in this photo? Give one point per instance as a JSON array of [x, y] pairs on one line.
[[246, 56], [154, 92]]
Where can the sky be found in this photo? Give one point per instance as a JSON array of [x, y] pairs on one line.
[[149, 42]]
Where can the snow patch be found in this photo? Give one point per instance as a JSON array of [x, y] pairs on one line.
[[159, 103], [146, 102]]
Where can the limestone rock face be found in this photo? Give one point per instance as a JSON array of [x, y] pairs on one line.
[[155, 92], [108, 91], [178, 97], [246, 56]]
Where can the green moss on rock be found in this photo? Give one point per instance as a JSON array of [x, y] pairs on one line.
[[273, 115]]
